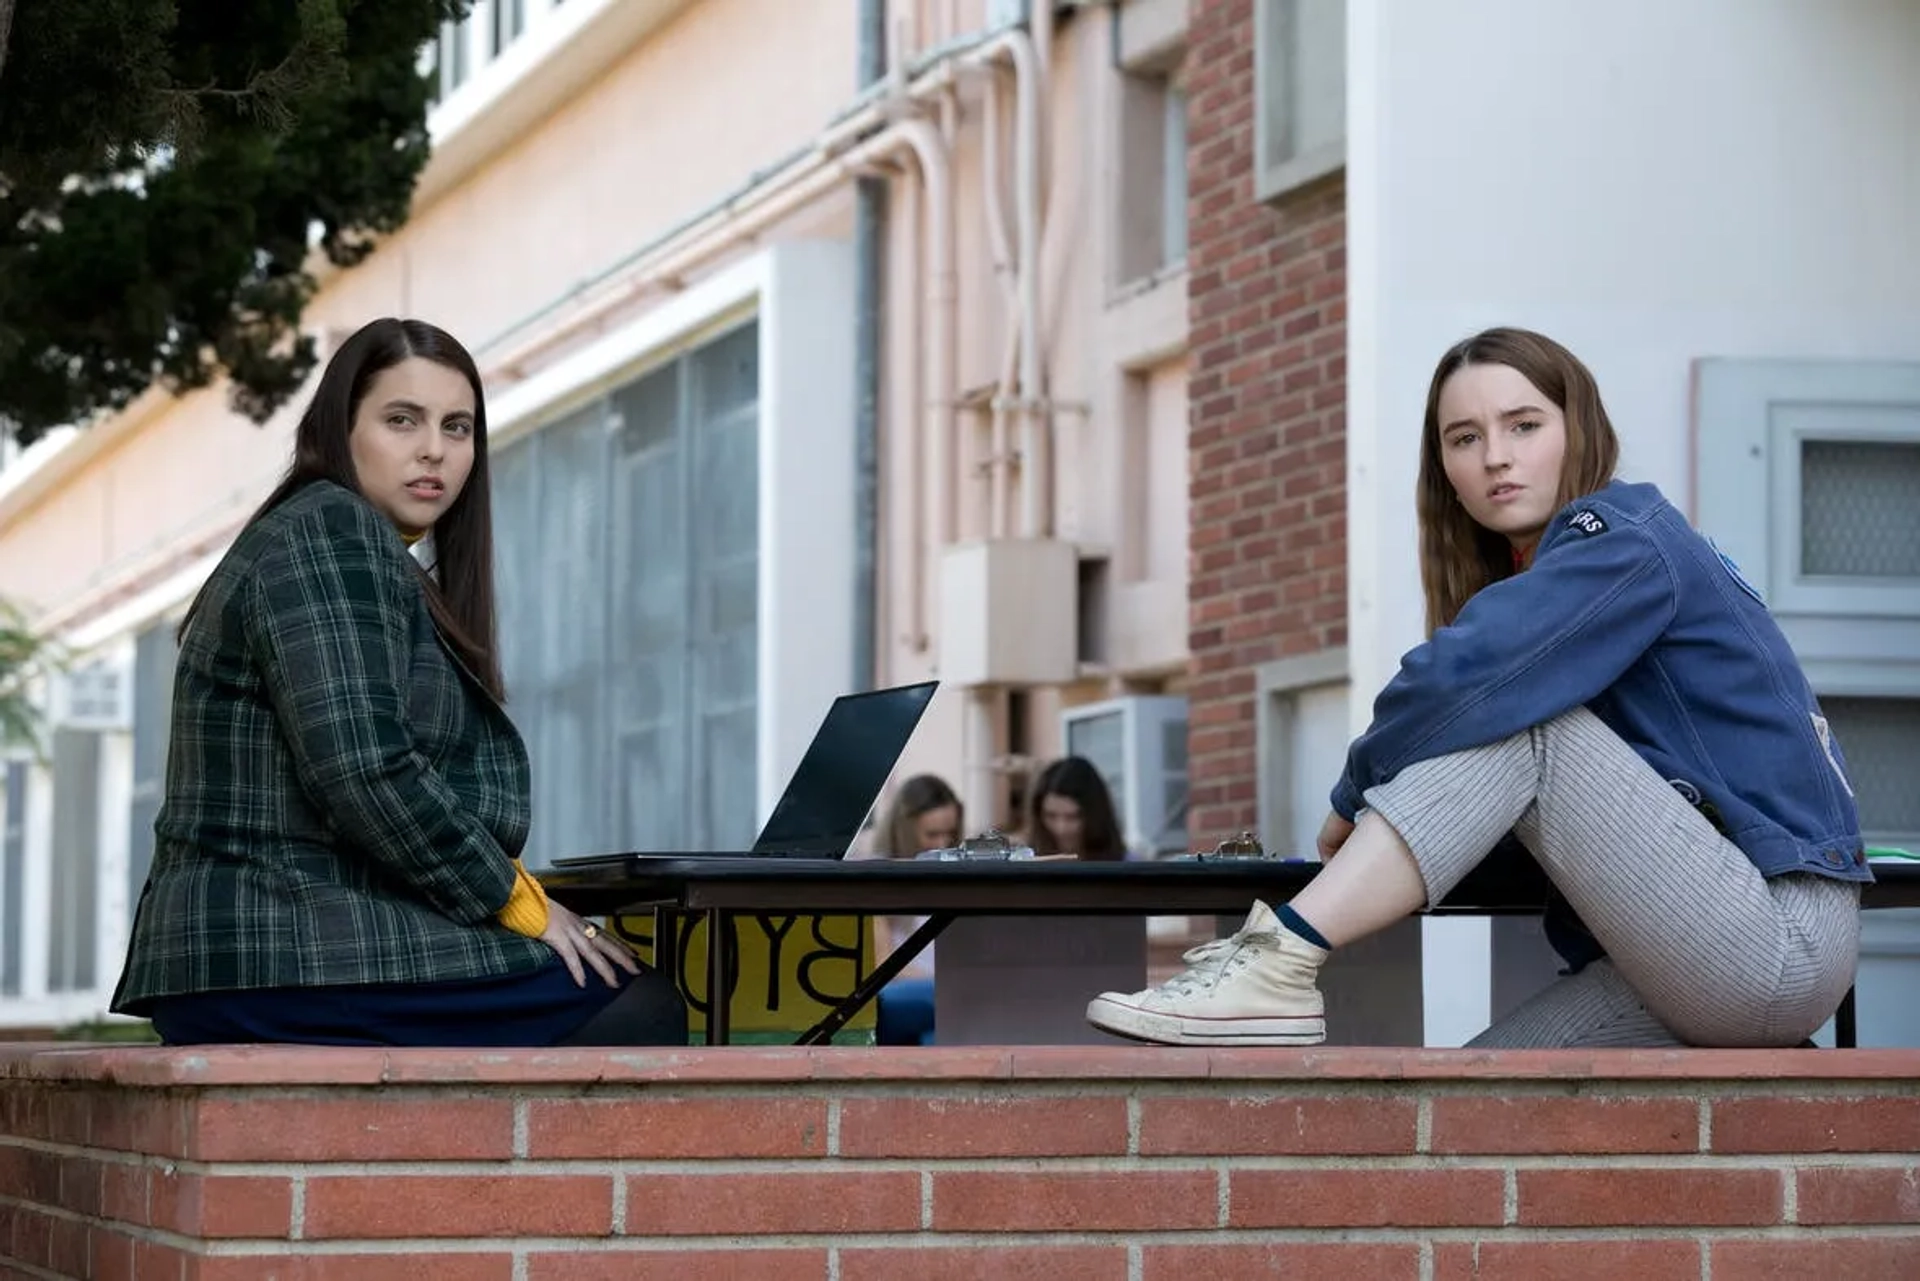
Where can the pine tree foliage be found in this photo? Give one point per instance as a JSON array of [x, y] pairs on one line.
[[166, 169]]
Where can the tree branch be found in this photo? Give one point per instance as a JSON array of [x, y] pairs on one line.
[[6, 29]]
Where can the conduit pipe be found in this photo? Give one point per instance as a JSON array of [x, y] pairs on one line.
[[835, 154], [1021, 391], [999, 465], [935, 393]]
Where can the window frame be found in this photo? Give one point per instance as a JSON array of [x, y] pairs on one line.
[[1278, 686], [1277, 58], [802, 292], [1749, 417]]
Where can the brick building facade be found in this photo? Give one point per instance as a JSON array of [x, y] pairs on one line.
[[1267, 445]]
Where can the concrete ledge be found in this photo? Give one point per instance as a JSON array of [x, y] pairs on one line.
[[850, 1164], [155, 1066]]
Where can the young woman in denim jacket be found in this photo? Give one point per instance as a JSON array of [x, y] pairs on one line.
[[1601, 684], [337, 852]]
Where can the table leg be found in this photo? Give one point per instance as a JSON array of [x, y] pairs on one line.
[[885, 972], [666, 948], [719, 950], [1845, 1033]]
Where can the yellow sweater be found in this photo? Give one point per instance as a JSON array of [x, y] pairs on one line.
[[526, 909]]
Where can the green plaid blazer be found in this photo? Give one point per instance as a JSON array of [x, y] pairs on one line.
[[342, 798]]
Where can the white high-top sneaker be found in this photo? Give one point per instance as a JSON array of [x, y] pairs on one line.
[[1256, 988]]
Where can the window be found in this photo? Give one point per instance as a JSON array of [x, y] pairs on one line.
[[453, 60], [72, 927], [1809, 478], [509, 20], [1300, 93], [1150, 205], [1881, 738], [1831, 452], [1173, 173], [153, 659], [628, 537], [13, 873], [1300, 743], [1139, 745]]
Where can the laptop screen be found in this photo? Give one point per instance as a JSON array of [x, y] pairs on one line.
[[846, 765]]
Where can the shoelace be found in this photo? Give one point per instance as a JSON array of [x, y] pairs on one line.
[[1204, 964]]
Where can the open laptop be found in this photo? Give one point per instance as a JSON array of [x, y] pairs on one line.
[[836, 783]]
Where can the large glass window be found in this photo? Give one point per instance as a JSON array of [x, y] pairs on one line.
[[629, 571], [154, 652], [13, 869], [73, 921]]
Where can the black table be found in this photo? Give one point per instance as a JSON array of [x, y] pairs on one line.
[[722, 886]]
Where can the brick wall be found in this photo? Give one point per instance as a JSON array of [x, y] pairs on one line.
[[1267, 448], [852, 1164]]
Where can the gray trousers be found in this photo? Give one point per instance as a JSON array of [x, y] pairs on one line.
[[1701, 949]]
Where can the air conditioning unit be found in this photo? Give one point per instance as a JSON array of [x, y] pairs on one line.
[[97, 696], [1139, 745]]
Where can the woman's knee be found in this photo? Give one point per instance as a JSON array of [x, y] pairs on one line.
[[648, 1011]]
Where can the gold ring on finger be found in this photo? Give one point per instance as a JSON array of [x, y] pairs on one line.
[[591, 931]]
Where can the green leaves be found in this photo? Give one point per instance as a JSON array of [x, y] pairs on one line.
[[22, 655], [165, 166]]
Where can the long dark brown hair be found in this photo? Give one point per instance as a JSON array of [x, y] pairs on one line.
[[1458, 555], [1075, 778], [921, 794], [462, 601]]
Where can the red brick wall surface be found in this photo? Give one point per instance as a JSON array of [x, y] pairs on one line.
[[1267, 446], [1063, 1162]]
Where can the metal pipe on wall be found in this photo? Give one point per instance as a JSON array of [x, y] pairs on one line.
[[869, 240]]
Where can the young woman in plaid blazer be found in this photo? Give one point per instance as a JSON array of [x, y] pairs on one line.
[[338, 853]]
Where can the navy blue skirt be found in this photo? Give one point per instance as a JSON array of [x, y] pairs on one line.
[[535, 1008]]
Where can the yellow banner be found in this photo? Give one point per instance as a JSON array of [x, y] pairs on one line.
[[788, 972]]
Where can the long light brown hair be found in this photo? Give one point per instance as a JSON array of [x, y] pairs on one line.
[[921, 794], [1458, 555]]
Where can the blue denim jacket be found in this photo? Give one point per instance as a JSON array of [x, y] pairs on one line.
[[1630, 612]]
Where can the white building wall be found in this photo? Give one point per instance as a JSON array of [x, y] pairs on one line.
[[1648, 182]]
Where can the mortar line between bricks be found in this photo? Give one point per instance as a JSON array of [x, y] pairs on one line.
[[619, 1215], [297, 1215], [833, 1127], [1468, 1235], [1426, 1261], [520, 1126], [1510, 1197], [1423, 1124], [520, 1265], [1186, 1163], [1706, 1126], [138, 1231], [29, 1269], [1706, 1260], [1133, 1125], [996, 1089], [1136, 1262], [1790, 1195]]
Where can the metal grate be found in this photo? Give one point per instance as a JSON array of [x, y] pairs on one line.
[[1860, 509], [1880, 738]]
